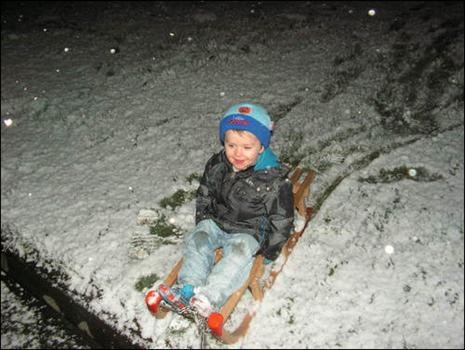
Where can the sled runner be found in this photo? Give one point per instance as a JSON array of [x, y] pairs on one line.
[[215, 322]]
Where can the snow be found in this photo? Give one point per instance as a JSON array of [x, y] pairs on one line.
[[109, 108]]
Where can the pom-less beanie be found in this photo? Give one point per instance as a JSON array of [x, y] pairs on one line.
[[249, 117]]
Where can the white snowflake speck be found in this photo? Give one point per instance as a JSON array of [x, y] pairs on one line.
[[389, 249]]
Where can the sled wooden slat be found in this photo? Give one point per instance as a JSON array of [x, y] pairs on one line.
[[300, 191], [295, 175], [231, 303]]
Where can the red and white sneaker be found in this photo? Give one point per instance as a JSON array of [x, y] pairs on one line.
[[174, 297], [202, 305], [152, 300]]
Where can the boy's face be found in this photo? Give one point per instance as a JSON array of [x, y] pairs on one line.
[[242, 148]]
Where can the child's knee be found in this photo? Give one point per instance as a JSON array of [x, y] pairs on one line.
[[201, 236], [239, 248], [245, 247], [199, 240]]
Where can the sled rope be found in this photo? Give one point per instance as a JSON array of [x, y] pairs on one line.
[[202, 329]]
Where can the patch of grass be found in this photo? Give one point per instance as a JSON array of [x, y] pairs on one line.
[[291, 319], [193, 177], [420, 174], [146, 282], [291, 154], [164, 229], [177, 199]]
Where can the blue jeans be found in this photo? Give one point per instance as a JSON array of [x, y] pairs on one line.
[[216, 281]]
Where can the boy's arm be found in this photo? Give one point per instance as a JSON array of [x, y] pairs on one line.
[[204, 196], [202, 202], [281, 215]]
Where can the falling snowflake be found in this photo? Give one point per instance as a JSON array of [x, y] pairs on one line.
[[389, 249]]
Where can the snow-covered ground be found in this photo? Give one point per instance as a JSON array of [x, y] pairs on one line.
[[110, 108]]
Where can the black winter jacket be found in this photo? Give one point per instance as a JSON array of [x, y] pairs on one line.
[[256, 202]]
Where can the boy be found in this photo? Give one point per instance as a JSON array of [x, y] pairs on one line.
[[244, 206]]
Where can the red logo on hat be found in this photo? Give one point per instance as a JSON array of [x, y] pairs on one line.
[[245, 110], [239, 121]]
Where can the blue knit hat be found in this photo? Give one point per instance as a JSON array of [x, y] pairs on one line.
[[249, 117]]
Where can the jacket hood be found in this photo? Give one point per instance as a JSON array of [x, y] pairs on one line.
[[267, 160]]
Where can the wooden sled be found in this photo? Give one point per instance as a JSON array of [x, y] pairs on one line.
[[300, 188]]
